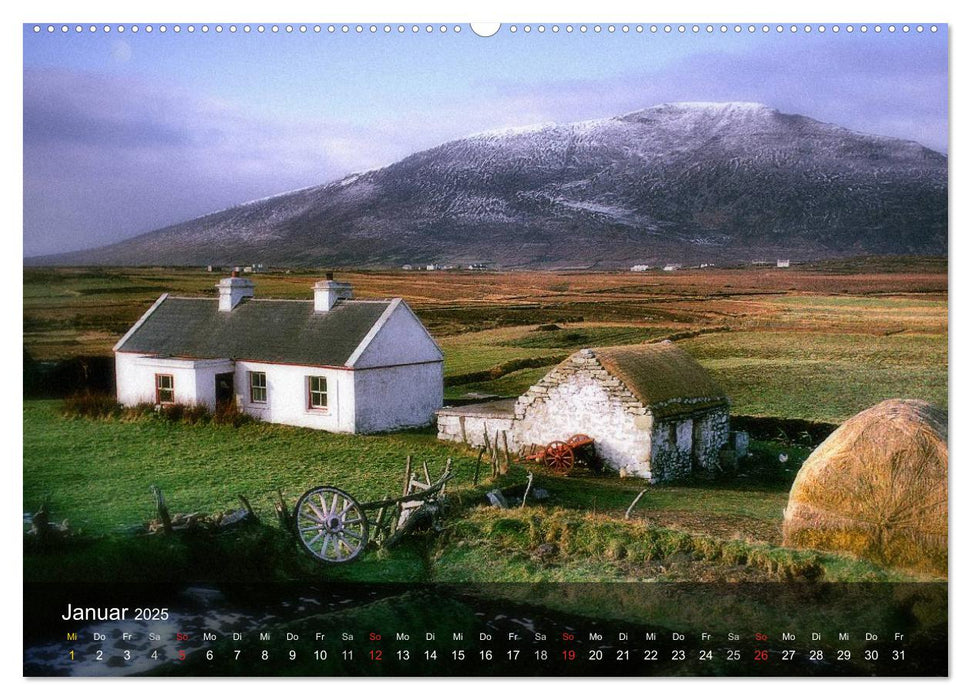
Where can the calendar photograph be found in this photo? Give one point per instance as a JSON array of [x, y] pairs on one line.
[[538, 349]]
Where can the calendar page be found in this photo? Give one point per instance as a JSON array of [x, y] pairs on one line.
[[523, 349]]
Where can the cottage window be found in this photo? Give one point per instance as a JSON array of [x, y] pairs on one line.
[[257, 387], [318, 392], [164, 389]]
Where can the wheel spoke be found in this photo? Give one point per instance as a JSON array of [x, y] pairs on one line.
[[314, 509], [331, 525]]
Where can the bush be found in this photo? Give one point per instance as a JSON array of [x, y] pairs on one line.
[[91, 405], [103, 406], [229, 414]]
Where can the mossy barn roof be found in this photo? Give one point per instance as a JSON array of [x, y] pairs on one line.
[[663, 377]]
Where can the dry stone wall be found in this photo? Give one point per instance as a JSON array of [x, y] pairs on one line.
[[580, 396]]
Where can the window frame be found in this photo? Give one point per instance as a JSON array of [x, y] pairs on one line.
[[169, 389], [253, 387], [311, 392]]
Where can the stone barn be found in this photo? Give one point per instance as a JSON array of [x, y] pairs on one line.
[[651, 410]]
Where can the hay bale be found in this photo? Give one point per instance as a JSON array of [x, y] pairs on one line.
[[877, 488]]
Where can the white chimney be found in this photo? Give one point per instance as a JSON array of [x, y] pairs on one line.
[[233, 290], [328, 292]]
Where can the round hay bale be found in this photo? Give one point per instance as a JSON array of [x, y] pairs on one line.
[[877, 488]]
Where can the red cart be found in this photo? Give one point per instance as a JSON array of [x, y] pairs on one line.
[[560, 456]]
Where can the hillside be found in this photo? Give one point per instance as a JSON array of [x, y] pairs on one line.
[[687, 183]]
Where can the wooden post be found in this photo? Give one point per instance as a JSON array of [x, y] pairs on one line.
[[448, 470], [162, 509], [627, 514], [407, 486], [485, 436], [247, 506], [428, 477], [505, 445], [529, 485], [478, 461], [283, 513]]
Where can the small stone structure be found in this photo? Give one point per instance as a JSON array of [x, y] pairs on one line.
[[651, 410], [470, 424]]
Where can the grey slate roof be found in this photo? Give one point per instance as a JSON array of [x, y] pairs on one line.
[[264, 330]]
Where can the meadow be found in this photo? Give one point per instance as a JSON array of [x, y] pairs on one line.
[[813, 343]]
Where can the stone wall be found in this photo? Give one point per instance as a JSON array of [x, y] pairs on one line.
[[580, 396], [711, 435], [470, 424], [685, 445]]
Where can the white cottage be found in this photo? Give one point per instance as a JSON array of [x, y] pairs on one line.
[[334, 363]]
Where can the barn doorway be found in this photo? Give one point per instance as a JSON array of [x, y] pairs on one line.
[[224, 389]]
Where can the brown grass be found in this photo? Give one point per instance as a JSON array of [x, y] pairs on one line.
[[877, 488]]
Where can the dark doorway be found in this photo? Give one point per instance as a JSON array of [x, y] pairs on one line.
[[224, 388]]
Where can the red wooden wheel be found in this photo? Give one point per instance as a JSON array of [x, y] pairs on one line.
[[559, 457], [579, 439]]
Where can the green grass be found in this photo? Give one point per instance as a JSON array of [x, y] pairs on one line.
[[98, 473], [560, 545], [102, 482], [101, 486], [822, 376], [512, 384], [784, 373], [587, 337]]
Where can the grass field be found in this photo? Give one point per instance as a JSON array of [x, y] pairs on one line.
[[816, 343], [102, 483], [705, 531]]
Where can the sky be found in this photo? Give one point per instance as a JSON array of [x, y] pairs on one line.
[[127, 132]]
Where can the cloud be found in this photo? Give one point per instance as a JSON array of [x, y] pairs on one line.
[[874, 88], [107, 157]]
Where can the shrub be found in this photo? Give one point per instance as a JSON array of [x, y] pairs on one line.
[[229, 414], [91, 405]]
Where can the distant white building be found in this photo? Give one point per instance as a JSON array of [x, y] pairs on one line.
[[671, 268], [334, 363], [640, 268], [407, 267], [782, 263]]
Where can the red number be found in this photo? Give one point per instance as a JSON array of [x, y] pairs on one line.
[[375, 655], [569, 655], [181, 654], [761, 654]]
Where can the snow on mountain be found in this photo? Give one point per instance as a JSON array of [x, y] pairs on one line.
[[685, 181]]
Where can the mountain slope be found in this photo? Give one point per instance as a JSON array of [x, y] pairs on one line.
[[687, 182]]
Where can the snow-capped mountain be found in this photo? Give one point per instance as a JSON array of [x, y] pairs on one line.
[[685, 182]]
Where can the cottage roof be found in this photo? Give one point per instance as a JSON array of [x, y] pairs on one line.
[[663, 377], [265, 330]]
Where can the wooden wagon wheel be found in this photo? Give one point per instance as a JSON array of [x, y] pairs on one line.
[[559, 457], [331, 525], [579, 439]]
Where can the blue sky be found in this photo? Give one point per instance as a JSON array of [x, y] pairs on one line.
[[127, 132]]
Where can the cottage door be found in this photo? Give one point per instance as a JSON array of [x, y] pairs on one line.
[[224, 389]]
